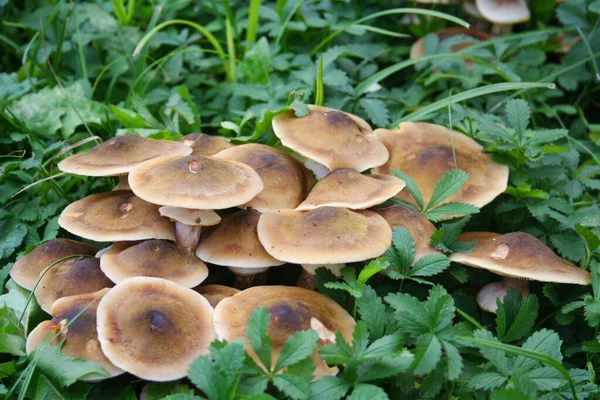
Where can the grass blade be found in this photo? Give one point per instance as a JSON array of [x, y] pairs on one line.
[[380, 31], [252, 21], [230, 50], [320, 89]]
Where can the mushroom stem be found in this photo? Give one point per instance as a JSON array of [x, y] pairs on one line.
[[123, 183], [242, 282], [187, 236], [486, 298], [306, 280], [500, 29]]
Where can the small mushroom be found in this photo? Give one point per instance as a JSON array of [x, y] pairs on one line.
[[154, 328], [154, 258], [291, 309], [515, 255], [26, 270], [74, 322], [69, 278], [118, 156], [333, 138], [115, 216], [215, 293], [205, 145], [503, 13], [350, 189], [188, 224], [234, 244]]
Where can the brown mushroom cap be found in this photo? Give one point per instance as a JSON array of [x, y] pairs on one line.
[[234, 243], [80, 337], [424, 152], [69, 278], [506, 12], [205, 145], [416, 224], [154, 328], [417, 50], [196, 182], [215, 293], [351, 189], [326, 235], [284, 177], [333, 138], [190, 217], [487, 296], [154, 258], [119, 155], [26, 270], [291, 309], [115, 216], [520, 255]]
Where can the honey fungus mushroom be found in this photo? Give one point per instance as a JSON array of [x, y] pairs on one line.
[[118, 156], [515, 255], [426, 152], [74, 321], [188, 224], [291, 309], [205, 145], [215, 293], [154, 328]]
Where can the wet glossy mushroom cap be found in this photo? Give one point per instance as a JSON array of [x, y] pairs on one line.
[[205, 145], [80, 337], [333, 138], [506, 12], [234, 243], [215, 293], [326, 235], [424, 152], [115, 216], [195, 182], [520, 255], [154, 328], [26, 270], [350, 189], [155, 258], [284, 177], [117, 156], [417, 50], [291, 309], [415, 223], [190, 217], [72, 277]]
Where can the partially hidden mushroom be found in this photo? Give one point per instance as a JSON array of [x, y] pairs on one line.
[[205, 145], [503, 14], [215, 293]]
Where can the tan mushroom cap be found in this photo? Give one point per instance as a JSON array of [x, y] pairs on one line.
[[80, 337], [416, 224], [351, 189], [234, 243], [215, 293], [72, 277], [26, 270], [154, 328], [205, 145], [505, 12], [284, 177], [417, 50], [190, 217], [155, 258], [424, 152], [195, 182], [520, 255], [119, 155], [291, 309], [487, 296], [333, 138], [115, 216], [326, 235]]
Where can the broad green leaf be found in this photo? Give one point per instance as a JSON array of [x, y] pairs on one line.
[[12, 340], [372, 311], [371, 370], [515, 316], [385, 346], [518, 114], [372, 268], [256, 332], [410, 313], [453, 208], [329, 388], [440, 308], [411, 186], [293, 386], [376, 110], [428, 352], [453, 363], [429, 265], [297, 347], [449, 184], [487, 381], [338, 353], [160, 390], [360, 338], [202, 374], [402, 250], [364, 391], [495, 356], [546, 378]]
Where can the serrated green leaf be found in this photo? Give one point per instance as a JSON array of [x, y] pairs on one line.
[[256, 332], [372, 268], [454, 364], [449, 184], [372, 311], [487, 381], [402, 252], [518, 114], [515, 316], [428, 353], [293, 386], [385, 346], [202, 374], [410, 313], [371, 370], [329, 388], [338, 353], [376, 110], [453, 208], [364, 391], [429, 265], [411, 186], [296, 348]]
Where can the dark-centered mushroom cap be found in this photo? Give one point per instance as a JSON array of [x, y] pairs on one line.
[[519, 255], [351, 189], [215, 293], [333, 138], [190, 217], [417, 50], [291, 309], [424, 152], [283, 176], [26, 270], [505, 12], [72, 277], [119, 155], [115, 216], [234, 243], [326, 235], [205, 145], [154, 328], [195, 182], [80, 337], [415, 223], [155, 258]]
